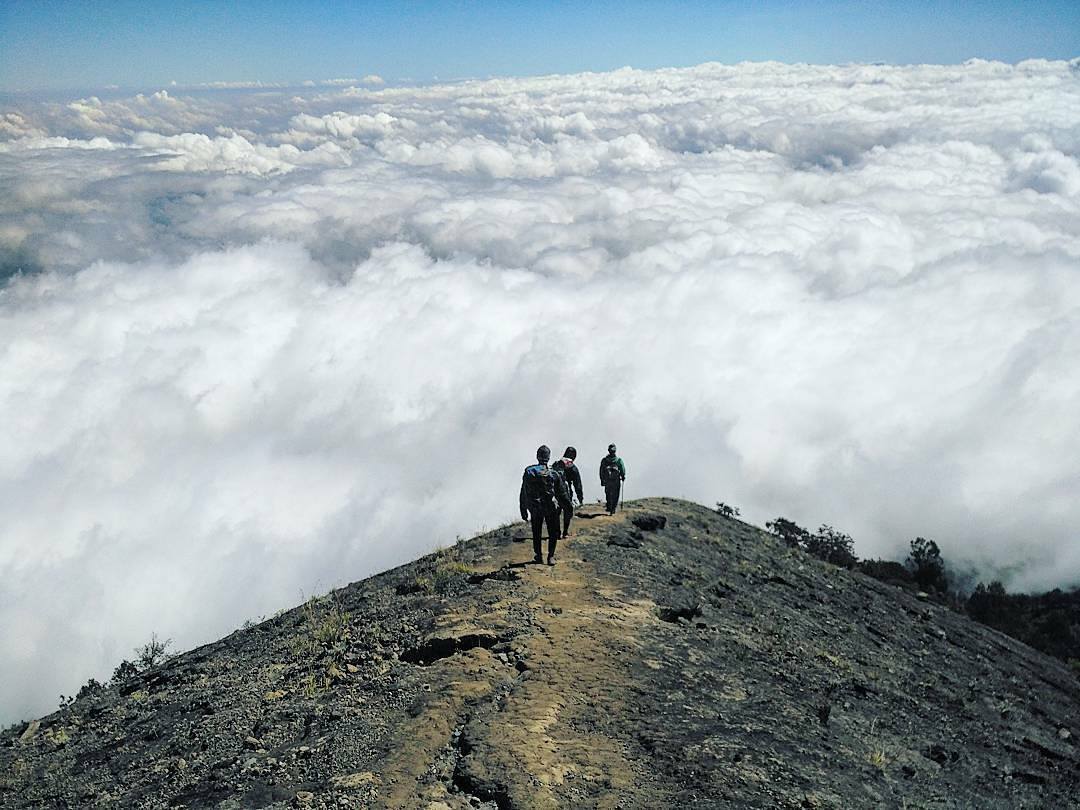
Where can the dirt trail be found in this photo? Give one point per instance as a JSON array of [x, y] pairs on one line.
[[533, 735]]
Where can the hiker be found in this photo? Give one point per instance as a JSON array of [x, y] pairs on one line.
[[541, 491], [572, 475], [612, 474]]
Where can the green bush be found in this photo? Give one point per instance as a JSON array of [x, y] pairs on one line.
[[832, 546], [727, 511], [889, 571], [790, 532], [926, 565]]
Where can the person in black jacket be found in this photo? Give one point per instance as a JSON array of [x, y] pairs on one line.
[[542, 489], [572, 474]]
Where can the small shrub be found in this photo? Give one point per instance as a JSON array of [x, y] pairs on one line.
[[125, 671], [988, 603], [89, 689], [153, 653], [250, 623], [324, 643], [833, 547], [877, 758], [790, 532], [926, 565], [727, 511], [435, 574], [888, 571]]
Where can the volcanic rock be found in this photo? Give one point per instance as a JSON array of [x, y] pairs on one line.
[[708, 665]]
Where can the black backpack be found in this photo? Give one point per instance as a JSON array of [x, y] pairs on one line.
[[561, 486], [541, 484], [609, 470]]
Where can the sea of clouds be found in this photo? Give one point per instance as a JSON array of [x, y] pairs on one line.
[[257, 343]]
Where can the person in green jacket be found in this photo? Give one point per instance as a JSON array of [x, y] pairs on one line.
[[612, 474]]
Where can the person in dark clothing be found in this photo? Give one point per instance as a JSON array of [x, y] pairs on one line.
[[572, 474], [612, 474], [541, 491]]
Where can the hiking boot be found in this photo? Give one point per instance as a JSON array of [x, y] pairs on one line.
[[551, 559], [537, 558]]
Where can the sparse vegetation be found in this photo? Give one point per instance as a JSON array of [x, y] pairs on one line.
[[926, 565], [877, 755], [436, 573], [125, 671], [828, 544], [151, 654], [788, 531], [878, 758], [832, 546], [889, 571], [726, 510], [1049, 622], [323, 645], [89, 689]]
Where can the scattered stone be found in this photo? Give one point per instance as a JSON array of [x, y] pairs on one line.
[[675, 614], [252, 742], [304, 798], [352, 781], [650, 523], [1064, 733]]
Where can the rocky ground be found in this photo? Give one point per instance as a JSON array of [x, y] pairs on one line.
[[672, 657]]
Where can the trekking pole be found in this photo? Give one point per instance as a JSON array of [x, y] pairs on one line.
[[622, 493]]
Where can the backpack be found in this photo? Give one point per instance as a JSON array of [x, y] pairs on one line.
[[541, 484], [609, 470], [561, 486]]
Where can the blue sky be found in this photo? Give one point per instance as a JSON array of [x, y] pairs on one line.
[[56, 45]]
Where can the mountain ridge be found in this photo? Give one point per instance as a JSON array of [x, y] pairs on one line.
[[673, 656]]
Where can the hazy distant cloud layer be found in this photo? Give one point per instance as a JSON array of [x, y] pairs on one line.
[[265, 342]]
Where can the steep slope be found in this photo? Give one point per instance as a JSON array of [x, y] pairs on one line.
[[699, 662]]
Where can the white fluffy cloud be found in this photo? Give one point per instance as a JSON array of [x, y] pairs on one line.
[[266, 343]]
